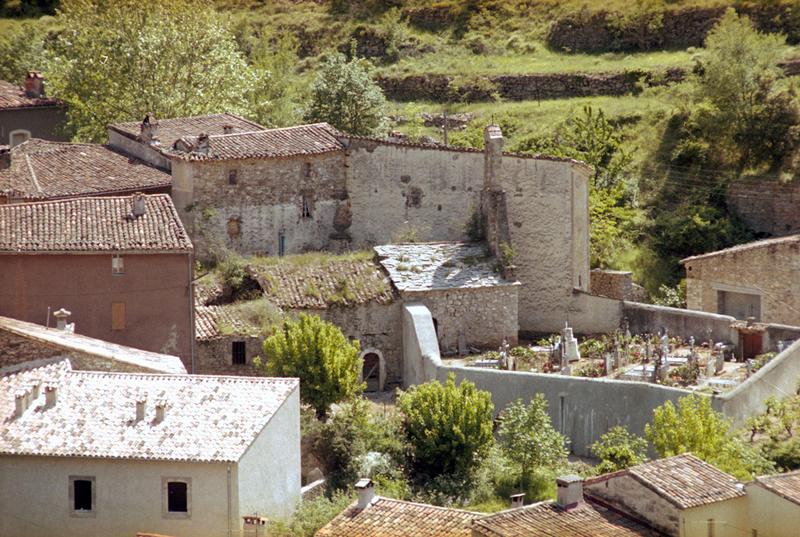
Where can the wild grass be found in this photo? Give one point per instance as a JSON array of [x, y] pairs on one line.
[[311, 258]]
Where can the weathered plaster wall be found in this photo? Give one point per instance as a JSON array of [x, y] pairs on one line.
[[771, 515], [268, 474], [730, 518], [589, 314], [420, 349], [770, 271], [482, 316], [632, 497], [648, 318], [45, 122], [138, 149], [266, 200], [215, 357]]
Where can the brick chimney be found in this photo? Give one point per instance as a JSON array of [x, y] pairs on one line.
[[34, 85], [366, 492], [61, 319], [569, 491], [50, 396], [139, 208]]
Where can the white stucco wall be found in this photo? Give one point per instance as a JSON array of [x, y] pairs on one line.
[[137, 149], [34, 498], [771, 515], [268, 475]]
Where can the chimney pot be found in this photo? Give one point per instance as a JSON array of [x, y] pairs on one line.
[[34, 85], [61, 319], [366, 492], [50, 396], [139, 207], [570, 491]]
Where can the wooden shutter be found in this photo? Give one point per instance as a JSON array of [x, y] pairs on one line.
[[117, 316]]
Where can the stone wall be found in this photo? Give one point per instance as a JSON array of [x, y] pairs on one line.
[[626, 492], [648, 318], [481, 317], [770, 271], [615, 284], [766, 206], [267, 200], [215, 357]]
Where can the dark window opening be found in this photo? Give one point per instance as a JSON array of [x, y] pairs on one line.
[[371, 372], [308, 169], [306, 212], [281, 244], [177, 497], [239, 353], [233, 177], [82, 489]]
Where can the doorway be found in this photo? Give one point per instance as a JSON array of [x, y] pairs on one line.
[[371, 372]]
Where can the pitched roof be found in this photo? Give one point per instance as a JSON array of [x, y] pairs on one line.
[[214, 322], [546, 519], [41, 169], [172, 129], [92, 225], [777, 241], [439, 265], [686, 481], [285, 142], [207, 418], [13, 96], [785, 485], [84, 345], [386, 517]]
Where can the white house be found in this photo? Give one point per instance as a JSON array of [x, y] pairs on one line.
[[89, 453]]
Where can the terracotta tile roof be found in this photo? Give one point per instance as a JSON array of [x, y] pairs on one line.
[[395, 518], [41, 169], [686, 481], [71, 342], [777, 241], [173, 129], [13, 96], [587, 519], [92, 225], [785, 485], [207, 418], [214, 322], [439, 265], [319, 286], [286, 142]]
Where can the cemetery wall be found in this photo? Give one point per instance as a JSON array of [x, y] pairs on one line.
[[649, 318]]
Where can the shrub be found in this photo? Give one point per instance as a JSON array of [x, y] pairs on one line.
[[618, 449], [311, 516]]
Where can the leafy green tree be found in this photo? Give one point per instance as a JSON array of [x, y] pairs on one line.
[[694, 426], [317, 352], [22, 50], [618, 449], [448, 428], [117, 61], [527, 437], [276, 103], [345, 96], [341, 441]]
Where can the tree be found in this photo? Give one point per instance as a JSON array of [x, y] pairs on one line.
[[345, 96], [21, 50], [694, 426], [276, 101], [618, 449], [317, 352], [527, 436], [117, 61], [340, 442], [448, 427]]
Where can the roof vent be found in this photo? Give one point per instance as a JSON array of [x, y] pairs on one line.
[[50, 396], [61, 320], [139, 208], [34, 85], [570, 491], [366, 492]]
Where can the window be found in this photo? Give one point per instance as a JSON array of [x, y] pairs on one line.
[[306, 212], [307, 169], [18, 136], [81, 496], [233, 177], [238, 353], [177, 496], [117, 265], [117, 316]]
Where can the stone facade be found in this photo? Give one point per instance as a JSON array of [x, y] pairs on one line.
[[215, 356], [766, 206], [615, 284], [764, 272]]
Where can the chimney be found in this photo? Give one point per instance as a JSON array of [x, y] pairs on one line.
[[61, 319], [254, 526], [148, 130], [36, 391], [20, 403], [366, 492], [161, 409], [202, 146], [141, 405], [34, 85], [227, 129], [517, 500], [493, 155], [570, 491], [139, 208], [50, 396]]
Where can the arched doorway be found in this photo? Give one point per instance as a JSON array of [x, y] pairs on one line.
[[372, 371]]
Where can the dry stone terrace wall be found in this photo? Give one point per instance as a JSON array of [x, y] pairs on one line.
[[767, 206], [265, 201]]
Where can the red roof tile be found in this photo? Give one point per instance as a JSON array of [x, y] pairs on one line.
[[172, 129], [784, 485], [290, 141], [92, 225], [13, 97], [41, 169]]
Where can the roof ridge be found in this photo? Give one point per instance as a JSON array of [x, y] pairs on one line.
[[193, 376], [77, 199], [426, 505], [744, 246], [32, 365]]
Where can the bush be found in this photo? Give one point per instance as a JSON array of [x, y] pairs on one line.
[[340, 444], [311, 516], [618, 449]]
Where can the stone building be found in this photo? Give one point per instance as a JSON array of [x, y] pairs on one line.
[[25, 112], [88, 453], [121, 265], [757, 279], [40, 170]]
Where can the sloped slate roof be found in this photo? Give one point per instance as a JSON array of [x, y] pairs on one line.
[[41, 169], [547, 519], [777, 241], [172, 129], [207, 418], [285, 142], [92, 225], [13, 96], [785, 485], [394, 518]]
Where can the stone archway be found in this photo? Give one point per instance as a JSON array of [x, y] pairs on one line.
[[373, 370]]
